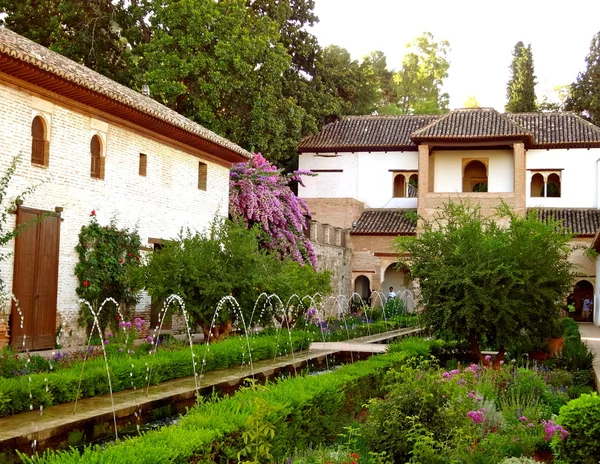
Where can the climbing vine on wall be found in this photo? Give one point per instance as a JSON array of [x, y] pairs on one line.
[[109, 261]]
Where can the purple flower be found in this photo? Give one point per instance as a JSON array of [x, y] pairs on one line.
[[476, 416], [149, 339], [523, 418], [487, 357], [106, 342]]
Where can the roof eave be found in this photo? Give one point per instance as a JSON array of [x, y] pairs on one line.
[[51, 82]]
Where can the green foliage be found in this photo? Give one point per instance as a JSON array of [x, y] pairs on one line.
[[521, 86], [479, 279], [416, 346], [584, 95], [108, 258], [62, 384], [418, 85], [577, 358], [228, 260], [303, 410], [259, 430], [580, 418]]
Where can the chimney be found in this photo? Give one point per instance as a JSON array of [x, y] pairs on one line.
[[146, 90]]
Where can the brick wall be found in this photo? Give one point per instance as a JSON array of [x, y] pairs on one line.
[[157, 205], [338, 212]]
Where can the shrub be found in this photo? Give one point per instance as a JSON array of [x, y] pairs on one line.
[[581, 418], [416, 346], [578, 359]]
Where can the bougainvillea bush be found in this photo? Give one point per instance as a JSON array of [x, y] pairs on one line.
[[260, 194], [108, 257]]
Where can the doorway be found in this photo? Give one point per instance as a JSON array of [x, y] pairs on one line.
[[35, 281]]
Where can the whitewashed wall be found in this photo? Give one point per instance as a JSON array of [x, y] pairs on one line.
[[448, 169], [157, 205], [366, 177], [579, 179]]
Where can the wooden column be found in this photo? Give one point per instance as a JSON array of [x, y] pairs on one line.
[[519, 177]]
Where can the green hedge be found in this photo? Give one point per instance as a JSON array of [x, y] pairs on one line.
[[59, 387], [304, 411]]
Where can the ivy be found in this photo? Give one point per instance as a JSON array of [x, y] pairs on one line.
[[108, 260]]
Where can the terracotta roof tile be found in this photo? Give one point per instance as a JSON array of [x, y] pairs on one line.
[[558, 129], [580, 221], [367, 133], [471, 124], [24, 50], [386, 133], [385, 222]]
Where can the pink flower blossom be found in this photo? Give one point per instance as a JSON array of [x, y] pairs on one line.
[[260, 194]]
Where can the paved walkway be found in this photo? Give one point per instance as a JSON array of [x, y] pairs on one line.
[[591, 335]]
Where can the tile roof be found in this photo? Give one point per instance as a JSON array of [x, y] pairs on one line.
[[470, 124], [367, 133], [558, 129], [385, 222], [405, 132], [580, 221], [18, 53]]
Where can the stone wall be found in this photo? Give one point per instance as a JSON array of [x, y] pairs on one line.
[[334, 255], [158, 205]]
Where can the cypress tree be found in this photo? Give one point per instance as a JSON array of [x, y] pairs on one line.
[[520, 89], [584, 96]]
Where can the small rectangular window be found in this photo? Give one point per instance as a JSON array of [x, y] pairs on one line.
[[143, 164], [202, 175]]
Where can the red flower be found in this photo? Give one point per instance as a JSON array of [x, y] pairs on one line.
[[137, 257], [93, 213], [129, 254], [85, 245], [85, 283], [355, 455], [118, 318], [121, 260]]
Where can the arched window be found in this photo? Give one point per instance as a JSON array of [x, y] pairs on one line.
[[475, 177], [97, 167], [362, 286], [553, 186], [40, 146], [202, 175], [413, 186], [537, 186], [399, 186]]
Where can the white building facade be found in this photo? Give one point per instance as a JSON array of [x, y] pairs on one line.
[[88, 143], [378, 168]]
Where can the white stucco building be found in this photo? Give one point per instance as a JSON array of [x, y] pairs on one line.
[[92, 144], [372, 170]]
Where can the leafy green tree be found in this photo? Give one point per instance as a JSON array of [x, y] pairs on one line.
[[520, 89], [471, 102], [418, 85], [378, 61], [482, 280], [228, 260], [88, 32], [585, 91]]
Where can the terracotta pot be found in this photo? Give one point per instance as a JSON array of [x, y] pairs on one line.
[[555, 346], [538, 356]]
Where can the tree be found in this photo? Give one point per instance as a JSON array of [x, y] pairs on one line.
[[585, 91], [378, 61], [88, 32], [471, 102], [227, 260], [479, 279], [520, 89], [418, 85], [259, 195]]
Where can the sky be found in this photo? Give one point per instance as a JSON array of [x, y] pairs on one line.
[[482, 36]]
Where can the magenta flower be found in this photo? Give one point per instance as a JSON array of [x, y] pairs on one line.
[[476, 416]]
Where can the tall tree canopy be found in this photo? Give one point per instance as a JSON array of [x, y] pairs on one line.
[[585, 91], [520, 89], [246, 69], [479, 279], [418, 84]]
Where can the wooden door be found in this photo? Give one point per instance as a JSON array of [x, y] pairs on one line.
[[35, 283]]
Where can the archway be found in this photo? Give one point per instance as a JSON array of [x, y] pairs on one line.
[[582, 290], [475, 178], [362, 286]]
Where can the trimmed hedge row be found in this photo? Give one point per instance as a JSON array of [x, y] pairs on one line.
[[47, 389], [304, 411]]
